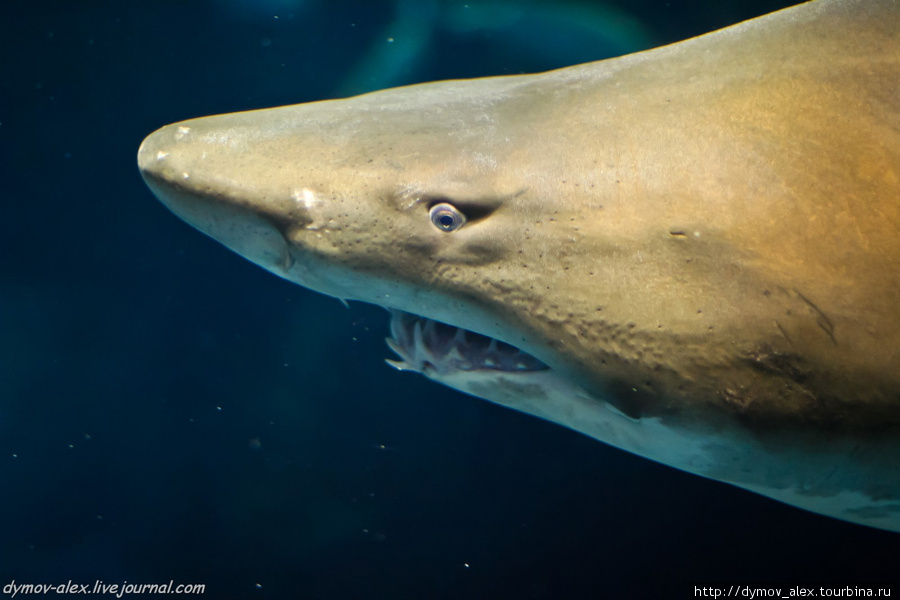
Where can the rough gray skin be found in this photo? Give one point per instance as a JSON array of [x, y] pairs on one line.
[[701, 240]]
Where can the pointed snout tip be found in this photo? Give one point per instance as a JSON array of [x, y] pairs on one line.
[[161, 165], [152, 151]]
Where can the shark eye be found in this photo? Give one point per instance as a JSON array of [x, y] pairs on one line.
[[446, 217]]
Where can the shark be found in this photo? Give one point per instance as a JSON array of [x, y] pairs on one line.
[[691, 253]]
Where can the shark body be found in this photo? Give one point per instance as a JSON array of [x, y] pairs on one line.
[[691, 253]]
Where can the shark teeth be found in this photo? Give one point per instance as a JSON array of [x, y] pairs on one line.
[[393, 345], [399, 365], [436, 348], [422, 348]]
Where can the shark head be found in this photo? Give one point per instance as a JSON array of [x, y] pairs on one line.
[[399, 198], [643, 249]]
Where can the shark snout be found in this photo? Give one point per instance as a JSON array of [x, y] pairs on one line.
[[148, 151], [178, 169], [165, 150], [160, 170]]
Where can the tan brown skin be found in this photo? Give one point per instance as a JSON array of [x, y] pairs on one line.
[[708, 233], [781, 149], [784, 154], [726, 232]]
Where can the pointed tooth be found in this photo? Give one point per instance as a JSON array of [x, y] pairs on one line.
[[490, 362], [422, 352], [492, 347], [460, 336], [397, 330], [430, 330], [395, 347], [400, 365], [418, 337], [455, 354]]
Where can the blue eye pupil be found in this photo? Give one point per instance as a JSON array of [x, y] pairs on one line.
[[446, 220]]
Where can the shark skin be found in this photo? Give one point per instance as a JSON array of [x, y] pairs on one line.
[[690, 253]]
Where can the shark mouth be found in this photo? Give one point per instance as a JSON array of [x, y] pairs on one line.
[[431, 347]]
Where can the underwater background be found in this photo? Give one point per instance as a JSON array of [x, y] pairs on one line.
[[169, 411]]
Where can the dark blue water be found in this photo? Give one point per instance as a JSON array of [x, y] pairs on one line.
[[169, 411]]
